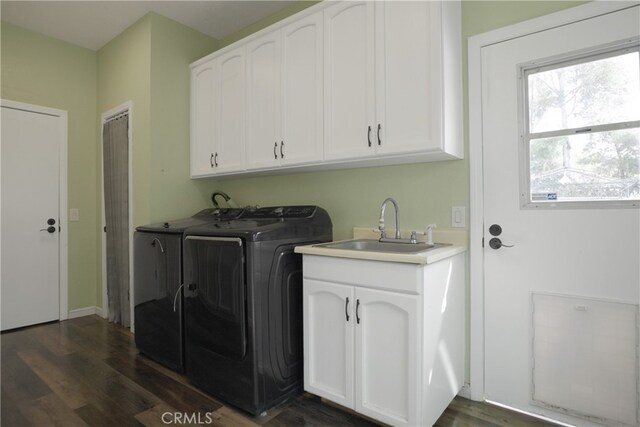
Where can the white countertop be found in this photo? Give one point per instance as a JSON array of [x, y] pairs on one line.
[[457, 239]]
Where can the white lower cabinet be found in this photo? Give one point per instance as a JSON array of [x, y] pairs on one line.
[[391, 351]]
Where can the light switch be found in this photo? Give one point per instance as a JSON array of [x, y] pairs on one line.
[[458, 219], [74, 214]]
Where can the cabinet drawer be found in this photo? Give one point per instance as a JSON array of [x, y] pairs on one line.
[[395, 277]]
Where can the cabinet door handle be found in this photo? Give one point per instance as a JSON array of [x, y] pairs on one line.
[[369, 135], [211, 160], [346, 309], [275, 147], [358, 311], [379, 127], [282, 149], [215, 159]]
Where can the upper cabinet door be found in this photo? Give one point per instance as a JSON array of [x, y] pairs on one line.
[[405, 67], [230, 114], [203, 81], [263, 101], [349, 80], [302, 123]]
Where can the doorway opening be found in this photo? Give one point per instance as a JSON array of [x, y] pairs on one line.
[[117, 215]]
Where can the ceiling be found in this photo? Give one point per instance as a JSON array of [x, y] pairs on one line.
[[92, 24]]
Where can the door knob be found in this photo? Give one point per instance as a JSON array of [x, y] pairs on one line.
[[51, 221], [50, 229], [496, 243]]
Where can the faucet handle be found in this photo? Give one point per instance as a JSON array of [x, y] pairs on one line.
[[429, 234], [414, 237]]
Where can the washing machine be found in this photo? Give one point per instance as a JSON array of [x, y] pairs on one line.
[[243, 304], [157, 285]]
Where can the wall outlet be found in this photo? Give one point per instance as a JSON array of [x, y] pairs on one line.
[[74, 214], [458, 217]]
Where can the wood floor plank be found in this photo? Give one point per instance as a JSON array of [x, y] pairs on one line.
[[228, 417], [11, 415], [70, 391], [495, 414], [96, 417], [87, 371], [174, 393], [19, 381], [309, 410], [153, 417], [59, 413], [53, 336]]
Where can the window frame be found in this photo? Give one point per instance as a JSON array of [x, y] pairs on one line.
[[538, 66]]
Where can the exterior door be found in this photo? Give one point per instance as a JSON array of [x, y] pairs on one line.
[[328, 341], [30, 217], [561, 303]]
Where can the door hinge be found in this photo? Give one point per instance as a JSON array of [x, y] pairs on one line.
[[105, 228]]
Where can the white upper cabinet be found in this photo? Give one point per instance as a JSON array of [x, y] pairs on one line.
[[217, 115], [385, 80], [302, 91], [405, 65], [263, 101], [203, 80], [349, 95], [354, 83], [230, 112], [284, 96]]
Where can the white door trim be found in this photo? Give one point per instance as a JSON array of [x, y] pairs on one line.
[[476, 194], [63, 236], [126, 107]]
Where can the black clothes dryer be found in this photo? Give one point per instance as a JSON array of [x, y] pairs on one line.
[[157, 278], [243, 304]]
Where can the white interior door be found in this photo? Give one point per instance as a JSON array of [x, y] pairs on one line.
[[30, 217], [561, 304]]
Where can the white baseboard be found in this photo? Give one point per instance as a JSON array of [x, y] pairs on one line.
[[87, 311]]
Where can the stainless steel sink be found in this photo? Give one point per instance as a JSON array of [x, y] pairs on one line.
[[376, 246]]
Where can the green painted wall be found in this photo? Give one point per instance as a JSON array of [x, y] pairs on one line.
[[124, 75], [173, 47], [43, 71], [148, 64]]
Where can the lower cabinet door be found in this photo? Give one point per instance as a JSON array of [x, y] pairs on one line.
[[328, 341], [387, 351]]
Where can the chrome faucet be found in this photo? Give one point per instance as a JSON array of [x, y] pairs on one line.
[[226, 198], [381, 227]]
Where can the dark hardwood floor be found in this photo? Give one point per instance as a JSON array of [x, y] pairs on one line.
[[87, 371]]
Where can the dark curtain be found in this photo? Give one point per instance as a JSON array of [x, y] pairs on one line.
[[115, 134]]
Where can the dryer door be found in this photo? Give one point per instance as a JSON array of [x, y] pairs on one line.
[[215, 318]]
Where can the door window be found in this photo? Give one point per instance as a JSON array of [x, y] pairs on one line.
[[581, 133]]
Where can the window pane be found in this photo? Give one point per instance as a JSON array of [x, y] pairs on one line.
[[592, 93], [596, 166]]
